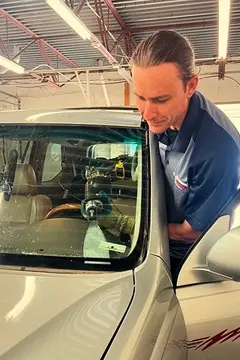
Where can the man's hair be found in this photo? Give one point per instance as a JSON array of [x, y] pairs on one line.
[[166, 46]]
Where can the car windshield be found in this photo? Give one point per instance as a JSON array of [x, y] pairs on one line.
[[70, 196]]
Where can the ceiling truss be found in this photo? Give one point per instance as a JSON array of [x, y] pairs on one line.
[[110, 44]]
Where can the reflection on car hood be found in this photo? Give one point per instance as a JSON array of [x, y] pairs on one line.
[[88, 116], [60, 316]]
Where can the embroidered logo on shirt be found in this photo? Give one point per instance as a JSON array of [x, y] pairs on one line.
[[179, 183]]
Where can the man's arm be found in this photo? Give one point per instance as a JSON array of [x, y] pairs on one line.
[[182, 232], [212, 183]]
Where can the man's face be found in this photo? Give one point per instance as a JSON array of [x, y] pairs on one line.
[[161, 96]]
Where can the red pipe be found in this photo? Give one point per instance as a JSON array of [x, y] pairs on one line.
[[34, 35], [39, 77], [43, 53], [80, 6]]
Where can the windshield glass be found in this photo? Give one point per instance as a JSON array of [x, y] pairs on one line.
[[70, 195]]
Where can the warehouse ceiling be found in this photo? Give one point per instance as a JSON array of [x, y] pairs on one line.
[[34, 35]]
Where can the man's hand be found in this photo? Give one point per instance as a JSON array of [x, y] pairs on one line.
[[183, 232]]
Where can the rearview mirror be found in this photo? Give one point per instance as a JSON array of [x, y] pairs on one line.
[[223, 258], [110, 151]]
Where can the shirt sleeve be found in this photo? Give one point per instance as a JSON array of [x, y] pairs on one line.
[[211, 184]]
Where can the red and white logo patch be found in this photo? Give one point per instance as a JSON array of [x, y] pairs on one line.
[[179, 183]]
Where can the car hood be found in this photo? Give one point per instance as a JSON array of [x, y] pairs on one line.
[[60, 316]]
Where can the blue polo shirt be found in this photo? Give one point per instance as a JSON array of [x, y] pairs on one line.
[[201, 164]]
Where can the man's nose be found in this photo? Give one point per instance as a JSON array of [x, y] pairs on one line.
[[149, 112]]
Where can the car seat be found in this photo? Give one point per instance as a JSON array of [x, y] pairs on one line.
[[24, 205]]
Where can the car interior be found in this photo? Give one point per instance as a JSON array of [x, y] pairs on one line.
[[42, 188]]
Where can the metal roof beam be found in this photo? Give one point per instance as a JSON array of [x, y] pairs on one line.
[[80, 6], [101, 23], [203, 61], [95, 42], [33, 35], [120, 20], [178, 26], [96, 69], [199, 25]]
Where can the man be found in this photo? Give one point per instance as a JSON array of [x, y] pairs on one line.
[[198, 144]]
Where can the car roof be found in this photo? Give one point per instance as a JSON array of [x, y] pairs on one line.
[[105, 116]]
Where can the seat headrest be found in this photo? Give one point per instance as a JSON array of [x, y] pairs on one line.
[[25, 182]]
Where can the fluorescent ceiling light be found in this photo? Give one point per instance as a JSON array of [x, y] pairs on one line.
[[11, 65], [66, 14], [223, 27]]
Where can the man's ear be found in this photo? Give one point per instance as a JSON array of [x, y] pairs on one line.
[[191, 86]]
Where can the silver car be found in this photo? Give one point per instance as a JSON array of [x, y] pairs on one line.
[[84, 256]]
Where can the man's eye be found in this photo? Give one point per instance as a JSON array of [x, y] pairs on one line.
[[160, 101]]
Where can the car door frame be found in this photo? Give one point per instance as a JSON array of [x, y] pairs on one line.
[[193, 270], [211, 328]]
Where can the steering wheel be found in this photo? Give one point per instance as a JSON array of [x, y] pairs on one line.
[[56, 211]]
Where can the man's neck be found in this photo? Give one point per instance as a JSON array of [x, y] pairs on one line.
[[177, 125]]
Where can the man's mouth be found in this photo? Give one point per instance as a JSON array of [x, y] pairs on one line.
[[157, 124]]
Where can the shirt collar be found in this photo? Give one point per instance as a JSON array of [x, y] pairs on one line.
[[189, 125]]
